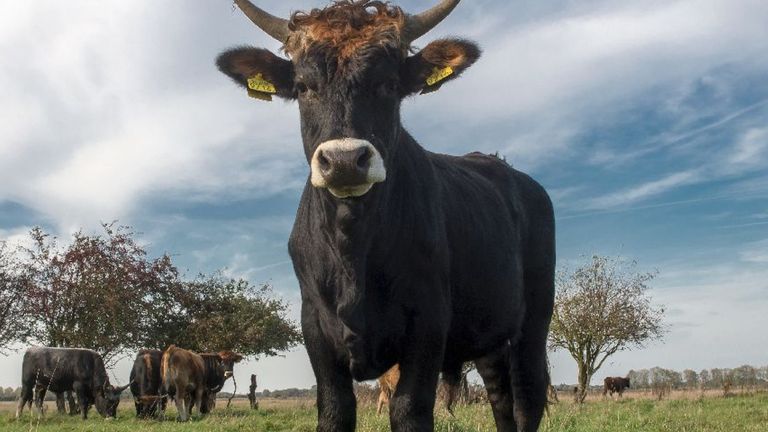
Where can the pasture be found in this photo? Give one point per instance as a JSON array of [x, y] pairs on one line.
[[682, 413]]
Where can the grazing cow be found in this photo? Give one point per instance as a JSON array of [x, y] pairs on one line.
[[62, 370], [194, 379], [403, 255], [252, 393], [615, 385], [387, 386], [146, 383]]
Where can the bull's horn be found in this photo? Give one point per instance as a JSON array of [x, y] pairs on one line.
[[121, 389], [417, 26], [272, 25]]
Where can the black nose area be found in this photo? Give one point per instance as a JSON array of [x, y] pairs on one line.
[[342, 168]]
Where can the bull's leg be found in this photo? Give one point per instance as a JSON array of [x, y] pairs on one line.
[[199, 402], [82, 399], [530, 377], [161, 408], [180, 400], [61, 406], [411, 407], [24, 398], [336, 405], [73, 408], [382, 401], [494, 368], [39, 399]]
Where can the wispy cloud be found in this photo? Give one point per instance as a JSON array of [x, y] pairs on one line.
[[643, 191], [756, 252]]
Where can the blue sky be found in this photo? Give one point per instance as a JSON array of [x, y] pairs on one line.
[[646, 120]]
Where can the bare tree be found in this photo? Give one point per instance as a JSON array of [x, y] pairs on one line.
[[600, 309], [14, 319]]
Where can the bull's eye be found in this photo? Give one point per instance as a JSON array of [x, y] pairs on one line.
[[389, 87], [301, 87]]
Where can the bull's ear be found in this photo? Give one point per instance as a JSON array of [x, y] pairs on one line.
[[438, 63], [262, 73]]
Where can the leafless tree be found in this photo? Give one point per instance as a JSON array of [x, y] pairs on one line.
[[602, 308]]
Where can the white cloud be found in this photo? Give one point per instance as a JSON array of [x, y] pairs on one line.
[[544, 80], [102, 113], [751, 151], [756, 252], [643, 191]]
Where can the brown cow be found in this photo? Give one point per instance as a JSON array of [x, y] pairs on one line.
[[194, 379], [615, 385], [387, 385]]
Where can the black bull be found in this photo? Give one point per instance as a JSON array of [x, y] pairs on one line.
[[429, 261], [146, 383], [62, 370], [615, 385]]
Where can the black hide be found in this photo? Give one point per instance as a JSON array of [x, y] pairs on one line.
[[68, 369], [146, 383]]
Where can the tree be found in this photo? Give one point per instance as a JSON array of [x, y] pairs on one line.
[[92, 293], [214, 313], [691, 378], [638, 379], [14, 319], [600, 309], [704, 378], [717, 377], [745, 376]]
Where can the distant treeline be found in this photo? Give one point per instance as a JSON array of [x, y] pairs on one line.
[[741, 377]]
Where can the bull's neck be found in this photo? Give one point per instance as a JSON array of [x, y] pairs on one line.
[[351, 227]]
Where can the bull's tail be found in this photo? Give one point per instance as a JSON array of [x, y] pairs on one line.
[[166, 378]]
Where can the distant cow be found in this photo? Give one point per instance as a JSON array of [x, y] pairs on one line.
[[387, 386], [615, 385], [62, 370], [194, 379], [252, 393], [146, 383]]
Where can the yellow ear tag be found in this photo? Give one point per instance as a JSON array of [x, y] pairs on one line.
[[260, 88], [439, 74]]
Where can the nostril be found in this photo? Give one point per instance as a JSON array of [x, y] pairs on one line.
[[325, 164], [363, 156]]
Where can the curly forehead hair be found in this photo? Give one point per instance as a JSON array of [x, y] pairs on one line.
[[346, 25]]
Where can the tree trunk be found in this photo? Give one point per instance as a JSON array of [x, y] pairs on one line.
[[584, 378]]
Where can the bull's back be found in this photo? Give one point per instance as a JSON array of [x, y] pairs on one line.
[[146, 376], [181, 369], [500, 228], [60, 367]]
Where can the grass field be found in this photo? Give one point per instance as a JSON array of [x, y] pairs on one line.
[[733, 414]]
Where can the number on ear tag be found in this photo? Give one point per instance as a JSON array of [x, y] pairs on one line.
[[439, 74], [259, 84]]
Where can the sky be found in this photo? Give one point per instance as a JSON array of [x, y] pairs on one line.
[[646, 120]]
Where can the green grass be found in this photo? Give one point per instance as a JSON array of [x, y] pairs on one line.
[[741, 413]]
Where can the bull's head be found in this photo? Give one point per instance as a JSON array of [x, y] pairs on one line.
[[228, 360], [350, 69], [108, 398]]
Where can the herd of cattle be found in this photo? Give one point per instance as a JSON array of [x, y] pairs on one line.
[[190, 379]]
